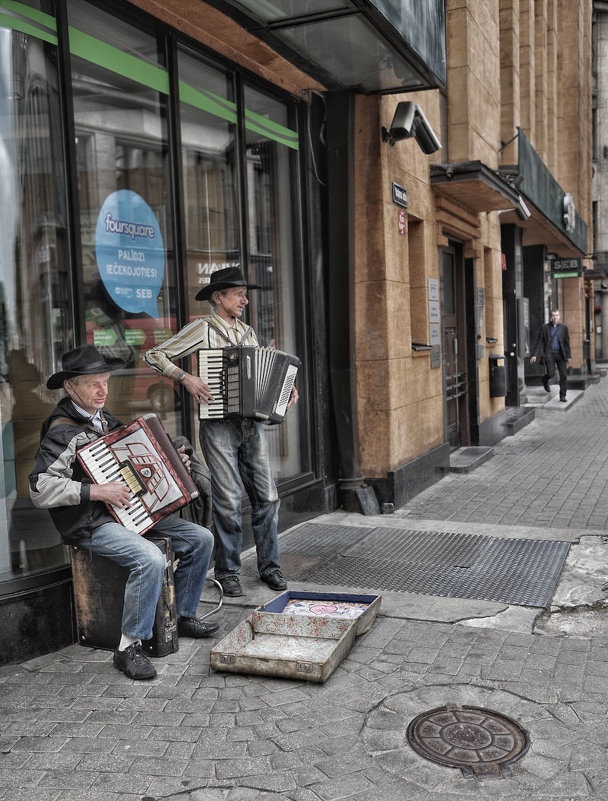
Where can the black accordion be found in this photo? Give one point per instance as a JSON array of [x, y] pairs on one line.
[[247, 382]]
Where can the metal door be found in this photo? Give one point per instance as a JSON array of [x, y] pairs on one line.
[[454, 348]]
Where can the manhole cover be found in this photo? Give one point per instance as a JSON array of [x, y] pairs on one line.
[[480, 742]]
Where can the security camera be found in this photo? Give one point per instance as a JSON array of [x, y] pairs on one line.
[[409, 121]]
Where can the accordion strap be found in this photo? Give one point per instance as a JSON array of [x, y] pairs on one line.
[[223, 335], [70, 420]]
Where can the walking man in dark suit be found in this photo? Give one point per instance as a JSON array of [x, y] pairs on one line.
[[553, 345]]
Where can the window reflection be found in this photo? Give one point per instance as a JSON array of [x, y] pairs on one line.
[[271, 214], [121, 145], [35, 302]]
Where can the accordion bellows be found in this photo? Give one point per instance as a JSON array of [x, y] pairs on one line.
[[247, 382]]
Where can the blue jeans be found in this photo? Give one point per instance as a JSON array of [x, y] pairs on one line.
[[237, 451], [193, 545]]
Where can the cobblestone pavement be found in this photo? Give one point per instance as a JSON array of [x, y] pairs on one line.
[[74, 729], [554, 473]]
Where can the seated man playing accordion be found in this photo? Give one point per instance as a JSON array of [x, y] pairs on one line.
[[78, 508]]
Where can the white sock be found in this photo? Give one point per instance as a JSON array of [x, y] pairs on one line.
[[125, 642]]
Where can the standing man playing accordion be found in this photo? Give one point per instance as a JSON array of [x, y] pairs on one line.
[[236, 450], [78, 508]]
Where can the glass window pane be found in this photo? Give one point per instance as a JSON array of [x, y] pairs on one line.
[[272, 219], [208, 123], [209, 177], [35, 301], [120, 119]]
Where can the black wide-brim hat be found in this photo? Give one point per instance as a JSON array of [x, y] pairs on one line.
[[84, 360], [224, 279]]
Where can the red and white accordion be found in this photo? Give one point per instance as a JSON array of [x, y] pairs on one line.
[[142, 455], [247, 382]]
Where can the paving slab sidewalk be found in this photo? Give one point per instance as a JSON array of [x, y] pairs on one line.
[[72, 727]]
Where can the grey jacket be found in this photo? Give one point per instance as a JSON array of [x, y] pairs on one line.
[[59, 483]]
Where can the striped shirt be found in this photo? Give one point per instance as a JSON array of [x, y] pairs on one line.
[[202, 333]]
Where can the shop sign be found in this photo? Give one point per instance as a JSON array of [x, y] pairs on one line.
[[135, 336], [104, 337], [402, 223], [399, 195], [566, 268], [130, 252], [569, 213]]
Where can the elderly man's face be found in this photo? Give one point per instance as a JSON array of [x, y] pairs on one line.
[[88, 391]]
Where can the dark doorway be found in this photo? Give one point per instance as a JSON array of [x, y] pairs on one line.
[[454, 346]]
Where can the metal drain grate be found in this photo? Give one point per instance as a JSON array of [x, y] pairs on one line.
[[514, 571]]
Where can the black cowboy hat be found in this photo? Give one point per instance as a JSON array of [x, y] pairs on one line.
[[224, 279], [85, 360]]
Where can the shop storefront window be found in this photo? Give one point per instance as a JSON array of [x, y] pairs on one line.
[[35, 300], [120, 91], [271, 147], [208, 124], [240, 207], [208, 121]]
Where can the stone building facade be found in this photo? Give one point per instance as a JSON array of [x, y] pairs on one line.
[[516, 114], [406, 180]]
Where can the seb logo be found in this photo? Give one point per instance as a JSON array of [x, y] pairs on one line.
[[130, 252]]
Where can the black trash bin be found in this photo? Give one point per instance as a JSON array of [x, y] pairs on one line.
[[586, 349], [498, 376]]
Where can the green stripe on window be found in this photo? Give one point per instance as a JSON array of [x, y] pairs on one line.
[[26, 27], [258, 124], [206, 101], [31, 13], [271, 130], [136, 69], [226, 110], [257, 129], [265, 122], [113, 59]]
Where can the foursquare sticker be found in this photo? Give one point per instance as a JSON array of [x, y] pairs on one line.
[[130, 252]]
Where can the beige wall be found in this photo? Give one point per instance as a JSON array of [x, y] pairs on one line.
[[399, 396], [510, 63], [474, 108]]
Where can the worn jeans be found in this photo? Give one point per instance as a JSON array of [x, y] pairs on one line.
[[235, 451], [191, 543]]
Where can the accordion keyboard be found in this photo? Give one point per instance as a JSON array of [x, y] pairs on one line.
[[211, 372], [104, 469]]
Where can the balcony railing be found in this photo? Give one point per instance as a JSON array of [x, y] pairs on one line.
[[537, 184]]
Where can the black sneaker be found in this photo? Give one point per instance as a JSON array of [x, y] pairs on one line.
[[275, 580], [231, 585], [134, 663], [193, 627]]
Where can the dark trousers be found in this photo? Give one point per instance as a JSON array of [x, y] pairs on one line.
[[550, 364]]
